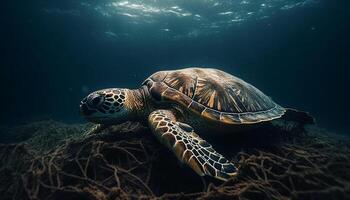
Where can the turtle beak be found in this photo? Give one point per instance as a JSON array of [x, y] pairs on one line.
[[85, 111]]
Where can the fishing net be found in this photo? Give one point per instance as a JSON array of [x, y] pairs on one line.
[[126, 162]]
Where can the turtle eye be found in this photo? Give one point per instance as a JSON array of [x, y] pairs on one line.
[[95, 100]]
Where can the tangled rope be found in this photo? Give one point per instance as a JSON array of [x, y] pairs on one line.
[[126, 162]]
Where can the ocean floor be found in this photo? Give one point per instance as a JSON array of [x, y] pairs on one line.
[[53, 160]]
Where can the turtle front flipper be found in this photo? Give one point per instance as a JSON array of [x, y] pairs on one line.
[[189, 147]]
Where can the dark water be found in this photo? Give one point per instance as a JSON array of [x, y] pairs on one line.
[[56, 52]]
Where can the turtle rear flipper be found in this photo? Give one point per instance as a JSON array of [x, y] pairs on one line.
[[298, 116], [189, 147]]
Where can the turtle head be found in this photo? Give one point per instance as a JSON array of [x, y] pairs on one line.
[[105, 106]]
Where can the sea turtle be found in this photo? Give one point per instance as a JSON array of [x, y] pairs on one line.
[[178, 104]]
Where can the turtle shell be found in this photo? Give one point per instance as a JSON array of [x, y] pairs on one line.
[[214, 94]]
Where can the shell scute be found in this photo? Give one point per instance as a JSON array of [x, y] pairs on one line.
[[181, 81], [211, 114], [215, 95], [250, 117], [171, 94], [230, 118], [196, 107], [157, 89], [159, 76]]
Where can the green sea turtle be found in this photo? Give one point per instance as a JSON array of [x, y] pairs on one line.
[[178, 104]]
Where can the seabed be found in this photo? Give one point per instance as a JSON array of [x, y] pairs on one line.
[[60, 161]]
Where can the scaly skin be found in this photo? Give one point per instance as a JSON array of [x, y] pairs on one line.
[[188, 147]]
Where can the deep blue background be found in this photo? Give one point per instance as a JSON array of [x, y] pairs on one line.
[[48, 62]]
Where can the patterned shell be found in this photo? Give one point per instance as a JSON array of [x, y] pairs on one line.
[[214, 94]]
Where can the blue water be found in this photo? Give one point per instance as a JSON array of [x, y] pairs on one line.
[[56, 52]]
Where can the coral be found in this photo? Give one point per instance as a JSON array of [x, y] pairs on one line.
[[126, 162]]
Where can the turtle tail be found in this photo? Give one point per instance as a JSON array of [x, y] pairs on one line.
[[298, 116]]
